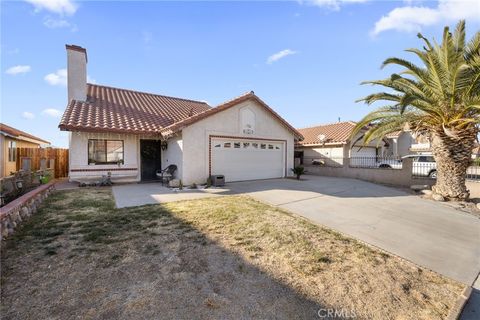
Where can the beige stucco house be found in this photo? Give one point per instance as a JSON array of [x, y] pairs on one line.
[[405, 142], [11, 139], [131, 134], [330, 144]]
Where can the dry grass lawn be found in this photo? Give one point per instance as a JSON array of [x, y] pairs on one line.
[[219, 258]]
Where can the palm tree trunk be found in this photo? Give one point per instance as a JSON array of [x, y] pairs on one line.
[[453, 156]]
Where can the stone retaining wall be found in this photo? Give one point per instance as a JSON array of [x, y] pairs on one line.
[[12, 214]]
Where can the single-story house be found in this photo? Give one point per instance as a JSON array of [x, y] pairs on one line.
[[131, 134], [399, 143], [330, 144], [405, 142], [10, 140]]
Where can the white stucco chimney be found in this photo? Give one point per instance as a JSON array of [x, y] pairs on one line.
[[76, 72]]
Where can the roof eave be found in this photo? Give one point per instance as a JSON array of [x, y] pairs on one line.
[[339, 143], [107, 130], [179, 126]]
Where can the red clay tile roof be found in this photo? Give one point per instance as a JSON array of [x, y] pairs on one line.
[[110, 109], [18, 134], [395, 134], [334, 133], [117, 110], [176, 127]]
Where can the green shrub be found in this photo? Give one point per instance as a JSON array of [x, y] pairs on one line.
[[298, 171]]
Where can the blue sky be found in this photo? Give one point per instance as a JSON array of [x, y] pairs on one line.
[[305, 59]]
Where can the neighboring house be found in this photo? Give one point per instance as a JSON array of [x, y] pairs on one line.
[[404, 142], [329, 144], [132, 134], [10, 140], [399, 144]]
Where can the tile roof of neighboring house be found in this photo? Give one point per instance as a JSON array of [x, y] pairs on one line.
[[395, 134], [110, 109], [19, 134], [246, 96], [338, 133], [125, 111]]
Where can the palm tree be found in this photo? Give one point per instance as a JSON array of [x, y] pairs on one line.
[[440, 99]]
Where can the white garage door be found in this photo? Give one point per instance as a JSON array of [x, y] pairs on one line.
[[241, 160]]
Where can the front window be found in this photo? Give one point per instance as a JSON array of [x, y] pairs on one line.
[[105, 151], [12, 151]]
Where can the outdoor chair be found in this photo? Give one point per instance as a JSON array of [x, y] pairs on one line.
[[167, 174]]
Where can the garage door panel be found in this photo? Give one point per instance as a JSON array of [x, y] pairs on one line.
[[246, 160]]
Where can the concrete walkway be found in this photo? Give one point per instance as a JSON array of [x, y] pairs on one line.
[[132, 195], [64, 184], [428, 233]]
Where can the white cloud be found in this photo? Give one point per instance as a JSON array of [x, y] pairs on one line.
[[59, 23], [52, 112], [279, 55], [18, 70], [61, 7], [28, 115], [413, 18], [56, 23], [58, 78], [331, 4]]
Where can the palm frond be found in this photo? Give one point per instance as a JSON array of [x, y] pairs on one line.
[[442, 95]]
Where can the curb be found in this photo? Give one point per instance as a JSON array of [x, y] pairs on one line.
[[457, 308]]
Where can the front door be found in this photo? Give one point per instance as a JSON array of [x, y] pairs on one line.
[[150, 159]]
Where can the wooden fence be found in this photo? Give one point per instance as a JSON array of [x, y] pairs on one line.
[[33, 159]]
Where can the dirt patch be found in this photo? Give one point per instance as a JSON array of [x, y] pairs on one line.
[[225, 257]]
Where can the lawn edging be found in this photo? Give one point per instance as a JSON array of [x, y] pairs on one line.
[[457, 309], [12, 214]]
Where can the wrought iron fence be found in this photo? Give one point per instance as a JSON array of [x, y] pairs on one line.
[[354, 162], [376, 162], [423, 166], [426, 167], [322, 161], [473, 173]]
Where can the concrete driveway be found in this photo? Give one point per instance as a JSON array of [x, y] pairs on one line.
[[132, 195], [428, 233]]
